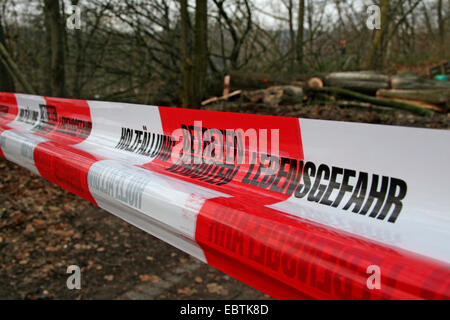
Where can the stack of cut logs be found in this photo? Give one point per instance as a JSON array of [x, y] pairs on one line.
[[355, 89]]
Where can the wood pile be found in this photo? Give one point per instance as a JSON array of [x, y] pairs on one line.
[[407, 91]]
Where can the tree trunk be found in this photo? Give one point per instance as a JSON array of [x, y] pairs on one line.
[[438, 96], [421, 104], [243, 80], [364, 81], [12, 66], [79, 65], [6, 80], [186, 57], [56, 48], [427, 21], [441, 22], [375, 56], [375, 101], [201, 49], [413, 82], [300, 31], [292, 47]]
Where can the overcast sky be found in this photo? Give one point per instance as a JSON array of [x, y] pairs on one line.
[[264, 14], [277, 8]]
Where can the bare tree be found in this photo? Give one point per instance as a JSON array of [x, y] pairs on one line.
[[238, 35], [187, 95], [441, 22], [300, 32], [56, 47], [373, 58], [201, 49], [289, 4], [6, 80], [164, 51]]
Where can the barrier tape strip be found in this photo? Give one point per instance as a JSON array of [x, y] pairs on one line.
[[305, 221]]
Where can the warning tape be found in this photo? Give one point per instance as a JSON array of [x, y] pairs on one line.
[[296, 208]]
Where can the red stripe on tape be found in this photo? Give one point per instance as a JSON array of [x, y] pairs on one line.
[[65, 166], [8, 112], [271, 250]]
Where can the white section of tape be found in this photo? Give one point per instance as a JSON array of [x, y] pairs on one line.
[[108, 118], [18, 147], [29, 113], [419, 156], [160, 205]]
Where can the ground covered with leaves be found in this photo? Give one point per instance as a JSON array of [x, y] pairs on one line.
[[332, 111], [44, 229]]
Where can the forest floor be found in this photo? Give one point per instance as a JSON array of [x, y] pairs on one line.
[[332, 112], [44, 229]]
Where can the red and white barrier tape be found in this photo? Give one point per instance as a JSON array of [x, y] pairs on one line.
[[305, 221]]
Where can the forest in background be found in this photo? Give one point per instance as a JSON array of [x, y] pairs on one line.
[[177, 52]]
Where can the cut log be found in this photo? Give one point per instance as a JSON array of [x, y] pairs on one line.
[[371, 76], [315, 82], [360, 104], [421, 104], [439, 96], [361, 81], [367, 87], [291, 95], [241, 80], [275, 95], [413, 82], [376, 101], [438, 100]]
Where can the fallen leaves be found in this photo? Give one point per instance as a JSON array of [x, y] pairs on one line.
[[62, 233], [149, 278], [54, 208], [109, 277], [29, 229], [79, 246], [64, 230], [187, 291], [45, 269], [39, 223], [216, 288], [16, 220], [52, 249]]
